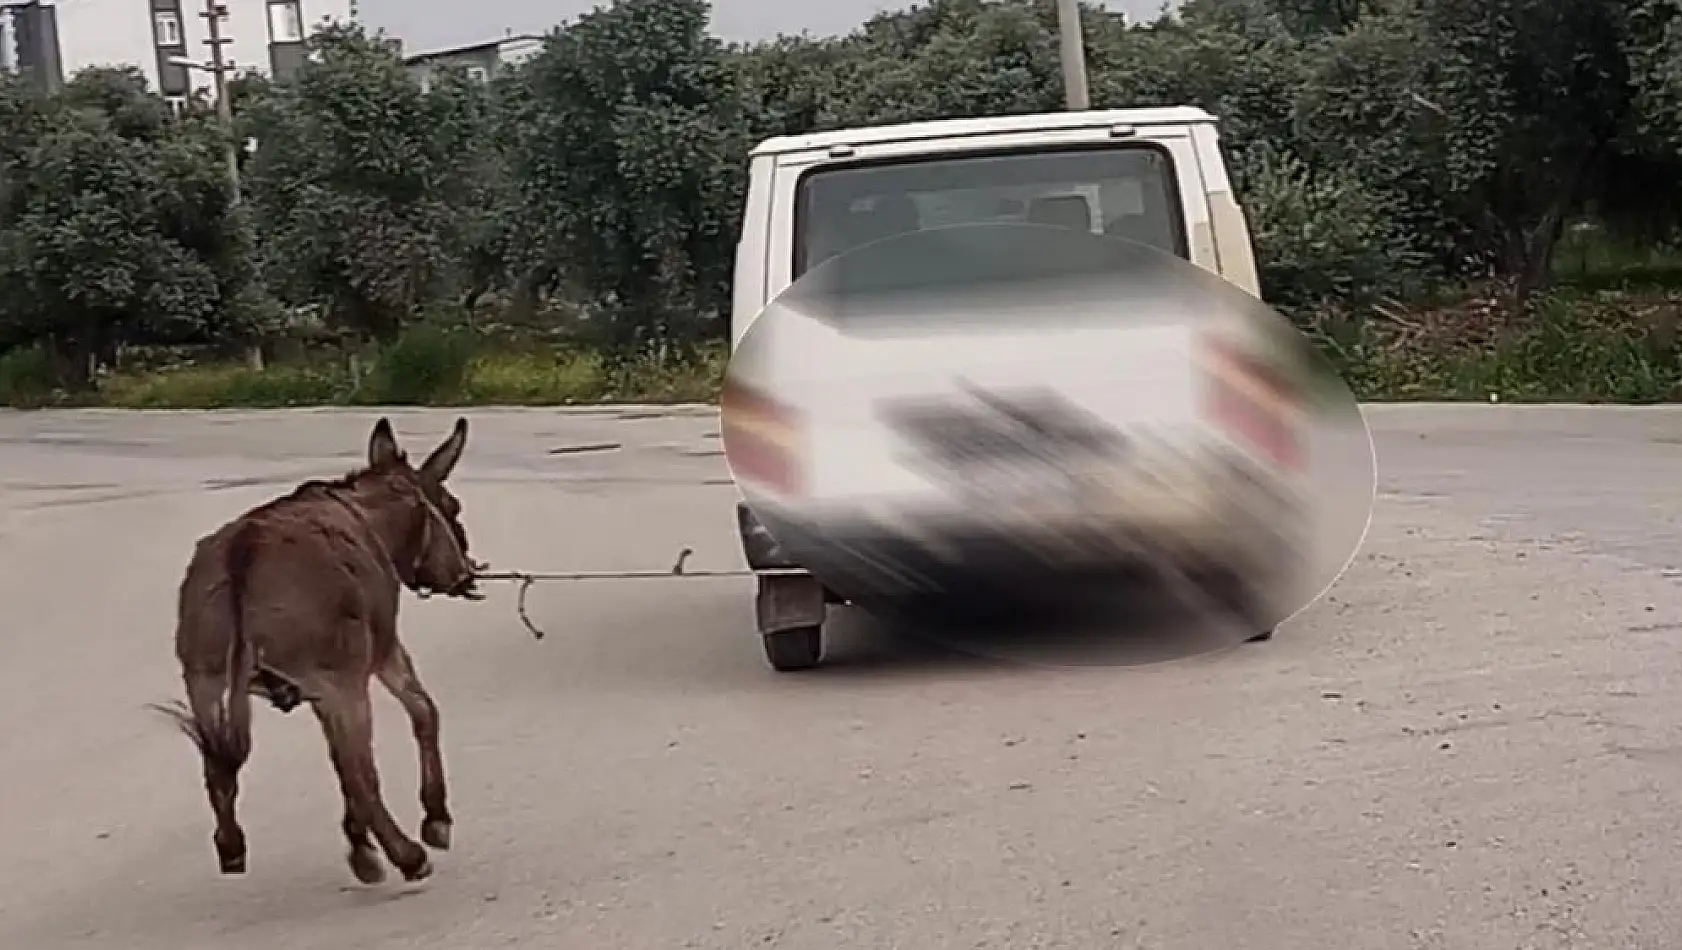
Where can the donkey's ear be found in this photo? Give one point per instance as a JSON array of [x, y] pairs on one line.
[[443, 459], [382, 445]]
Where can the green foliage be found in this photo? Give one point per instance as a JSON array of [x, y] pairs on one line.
[[359, 182], [110, 221], [27, 376], [955, 59], [628, 159], [427, 364], [1323, 238], [531, 377], [1573, 351], [231, 387], [1382, 148]]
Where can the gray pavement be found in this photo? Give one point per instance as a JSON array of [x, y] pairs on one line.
[[1473, 742]]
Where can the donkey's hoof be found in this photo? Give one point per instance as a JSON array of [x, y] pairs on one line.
[[436, 833], [366, 865], [418, 872]]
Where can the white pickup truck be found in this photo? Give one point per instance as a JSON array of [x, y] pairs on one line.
[[831, 475]]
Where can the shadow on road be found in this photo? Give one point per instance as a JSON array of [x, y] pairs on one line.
[[1118, 626]]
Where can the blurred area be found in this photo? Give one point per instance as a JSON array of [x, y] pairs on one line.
[[1013, 420]]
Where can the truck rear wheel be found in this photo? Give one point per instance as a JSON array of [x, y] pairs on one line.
[[790, 611], [790, 651], [1241, 600]]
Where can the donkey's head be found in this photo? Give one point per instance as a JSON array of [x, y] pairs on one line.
[[431, 556]]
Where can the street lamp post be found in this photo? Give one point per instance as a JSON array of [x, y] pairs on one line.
[[214, 12], [224, 114], [1075, 94]]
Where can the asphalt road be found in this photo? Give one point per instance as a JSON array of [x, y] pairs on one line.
[[1471, 743]]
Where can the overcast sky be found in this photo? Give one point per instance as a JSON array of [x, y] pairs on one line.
[[426, 25]]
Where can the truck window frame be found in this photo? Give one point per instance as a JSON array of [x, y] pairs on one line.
[[1176, 200]]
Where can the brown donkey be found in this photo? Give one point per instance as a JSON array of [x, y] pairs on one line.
[[296, 601]]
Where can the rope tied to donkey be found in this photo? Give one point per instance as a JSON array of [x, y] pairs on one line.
[[527, 579]]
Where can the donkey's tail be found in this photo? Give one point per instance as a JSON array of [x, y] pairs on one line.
[[221, 728], [238, 557]]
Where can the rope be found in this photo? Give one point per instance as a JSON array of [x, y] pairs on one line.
[[526, 579]]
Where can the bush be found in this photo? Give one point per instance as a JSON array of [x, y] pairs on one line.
[[1322, 236], [1568, 348], [428, 364], [27, 377], [1575, 353]]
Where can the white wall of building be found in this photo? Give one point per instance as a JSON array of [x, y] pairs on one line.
[[119, 32]]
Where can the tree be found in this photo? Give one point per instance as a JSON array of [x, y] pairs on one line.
[[629, 159], [1534, 95], [112, 221], [794, 84], [360, 185], [956, 59], [1380, 146], [1232, 57]]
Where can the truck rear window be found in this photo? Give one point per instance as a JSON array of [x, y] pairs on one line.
[[1127, 191]]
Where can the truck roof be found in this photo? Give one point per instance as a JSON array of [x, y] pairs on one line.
[[949, 128]]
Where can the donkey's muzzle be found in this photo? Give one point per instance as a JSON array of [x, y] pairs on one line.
[[467, 588]]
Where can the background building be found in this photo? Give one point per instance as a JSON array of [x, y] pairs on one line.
[[29, 41], [265, 36], [440, 24], [482, 60]]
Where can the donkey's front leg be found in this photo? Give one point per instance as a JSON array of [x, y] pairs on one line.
[[400, 678]]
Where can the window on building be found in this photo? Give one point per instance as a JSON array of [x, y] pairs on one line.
[[286, 22], [166, 28], [478, 73], [8, 46], [177, 105]]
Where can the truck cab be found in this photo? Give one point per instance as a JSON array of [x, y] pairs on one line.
[[1155, 176]]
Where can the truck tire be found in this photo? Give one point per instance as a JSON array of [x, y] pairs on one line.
[[791, 651], [1241, 600]]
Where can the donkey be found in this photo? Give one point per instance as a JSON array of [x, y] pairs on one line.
[[295, 602]]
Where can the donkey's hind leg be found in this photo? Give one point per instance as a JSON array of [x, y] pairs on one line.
[[347, 720], [364, 861], [224, 742], [399, 676]]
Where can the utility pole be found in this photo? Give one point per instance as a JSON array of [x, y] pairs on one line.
[[1075, 94], [214, 12]]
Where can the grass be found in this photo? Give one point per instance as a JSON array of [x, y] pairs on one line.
[[1600, 347], [1578, 345], [440, 373]]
